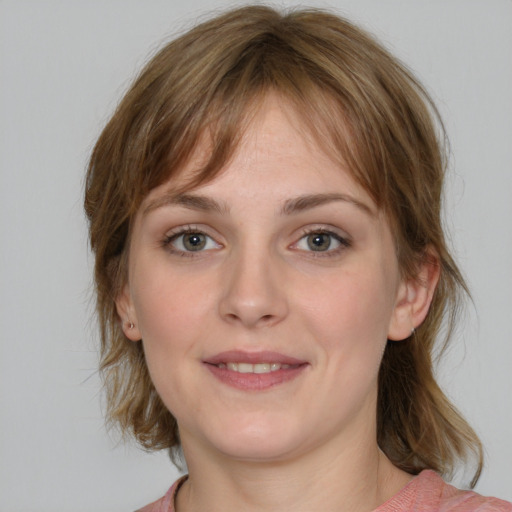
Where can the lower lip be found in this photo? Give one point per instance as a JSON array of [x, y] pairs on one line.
[[255, 381]]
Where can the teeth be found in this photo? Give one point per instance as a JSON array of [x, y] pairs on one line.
[[245, 368], [262, 368], [254, 368]]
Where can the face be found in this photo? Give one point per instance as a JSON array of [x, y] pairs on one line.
[[265, 298]]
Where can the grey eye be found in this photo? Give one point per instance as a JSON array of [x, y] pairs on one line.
[[320, 242], [194, 241]]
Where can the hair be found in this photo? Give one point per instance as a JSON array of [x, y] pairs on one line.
[[368, 111]]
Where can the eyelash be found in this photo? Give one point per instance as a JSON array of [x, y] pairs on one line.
[[167, 242], [344, 243]]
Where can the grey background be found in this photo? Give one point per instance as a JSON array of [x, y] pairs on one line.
[[63, 67]]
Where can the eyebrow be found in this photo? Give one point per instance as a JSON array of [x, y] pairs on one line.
[[309, 201], [190, 201], [290, 207]]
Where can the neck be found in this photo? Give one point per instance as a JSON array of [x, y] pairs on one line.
[[356, 477]]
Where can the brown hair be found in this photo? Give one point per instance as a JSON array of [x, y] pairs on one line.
[[367, 110]]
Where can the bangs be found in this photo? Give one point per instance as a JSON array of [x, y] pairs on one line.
[[218, 120]]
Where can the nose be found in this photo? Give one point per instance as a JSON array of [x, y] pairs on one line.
[[253, 291]]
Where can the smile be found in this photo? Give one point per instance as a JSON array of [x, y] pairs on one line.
[[254, 371], [254, 368]]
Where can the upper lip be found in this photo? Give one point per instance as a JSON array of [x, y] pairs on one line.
[[240, 356]]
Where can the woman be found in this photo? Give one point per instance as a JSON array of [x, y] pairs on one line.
[[272, 274]]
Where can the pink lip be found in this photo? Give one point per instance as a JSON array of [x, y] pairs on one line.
[[254, 381], [240, 356]]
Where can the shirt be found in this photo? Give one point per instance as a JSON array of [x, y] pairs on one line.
[[426, 492]]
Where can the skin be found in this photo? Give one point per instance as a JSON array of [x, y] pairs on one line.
[[258, 285]]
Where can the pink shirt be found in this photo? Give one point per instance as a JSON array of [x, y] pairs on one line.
[[427, 492]]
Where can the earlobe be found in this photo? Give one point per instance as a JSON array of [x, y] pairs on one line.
[[127, 316], [414, 298]]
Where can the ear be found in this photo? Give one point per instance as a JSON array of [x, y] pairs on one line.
[[414, 297], [127, 316]]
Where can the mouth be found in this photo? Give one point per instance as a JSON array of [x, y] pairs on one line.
[[258, 368], [251, 371]]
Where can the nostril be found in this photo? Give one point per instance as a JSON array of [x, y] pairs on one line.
[[252, 302]]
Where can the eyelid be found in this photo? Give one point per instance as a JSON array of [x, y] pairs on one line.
[[180, 231], [344, 240]]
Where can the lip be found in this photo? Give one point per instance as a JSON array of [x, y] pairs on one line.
[[240, 356], [254, 381]]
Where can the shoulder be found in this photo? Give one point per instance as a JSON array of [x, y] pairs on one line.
[[166, 503], [428, 492]]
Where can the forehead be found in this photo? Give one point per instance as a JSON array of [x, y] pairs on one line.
[[277, 150]]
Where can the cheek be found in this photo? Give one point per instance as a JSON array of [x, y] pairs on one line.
[[171, 312], [166, 301], [358, 300], [350, 317]]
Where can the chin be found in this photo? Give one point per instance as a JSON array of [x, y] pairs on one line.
[[258, 441], [260, 451]]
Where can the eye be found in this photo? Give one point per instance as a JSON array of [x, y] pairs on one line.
[[322, 241], [190, 241]]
